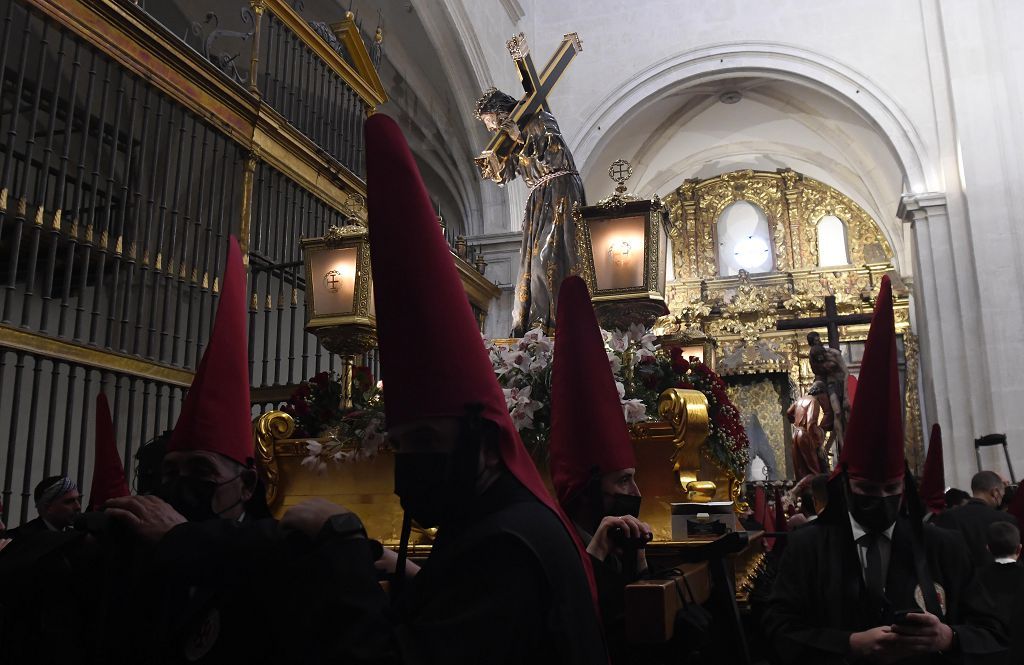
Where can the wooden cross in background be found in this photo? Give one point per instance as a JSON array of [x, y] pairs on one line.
[[537, 88], [831, 321]]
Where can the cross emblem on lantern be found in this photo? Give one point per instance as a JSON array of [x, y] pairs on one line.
[[332, 280], [620, 171]]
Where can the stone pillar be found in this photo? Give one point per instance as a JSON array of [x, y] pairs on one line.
[[955, 389]]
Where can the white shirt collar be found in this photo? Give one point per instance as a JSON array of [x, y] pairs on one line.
[[1006, 559], [859, 531]]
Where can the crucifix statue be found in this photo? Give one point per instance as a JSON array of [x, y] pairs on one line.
[[528, 143], [826, 406], [831, 321]]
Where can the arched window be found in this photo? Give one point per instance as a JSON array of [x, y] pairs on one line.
[[832, 242], [744, 242]]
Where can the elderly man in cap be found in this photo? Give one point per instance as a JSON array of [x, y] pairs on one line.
[[58, 502]]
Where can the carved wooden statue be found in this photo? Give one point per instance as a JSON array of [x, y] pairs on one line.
[[825, 408]]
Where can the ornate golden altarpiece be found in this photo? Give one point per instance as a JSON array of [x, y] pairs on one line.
[[740, 313]]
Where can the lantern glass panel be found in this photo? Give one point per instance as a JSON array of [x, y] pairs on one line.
[[333, 280], [618, 247]]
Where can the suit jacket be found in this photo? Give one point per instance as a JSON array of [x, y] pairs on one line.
[[32, 526], [819, 597], [972, 520]]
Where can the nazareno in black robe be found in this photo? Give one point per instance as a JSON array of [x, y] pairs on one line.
[[505, 585], [819, 597]]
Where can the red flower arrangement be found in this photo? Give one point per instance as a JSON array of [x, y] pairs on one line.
[[727, 441]]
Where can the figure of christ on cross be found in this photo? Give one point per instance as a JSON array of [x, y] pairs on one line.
[[828, 395], [528, 143]]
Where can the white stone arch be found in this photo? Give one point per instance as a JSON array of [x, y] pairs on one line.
[[772, 60]]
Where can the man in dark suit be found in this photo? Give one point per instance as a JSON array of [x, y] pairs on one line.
[[1003, 582], [58, 501], [973, 518]]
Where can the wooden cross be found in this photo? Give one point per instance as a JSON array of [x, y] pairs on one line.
[[832, 320], [536, 88]]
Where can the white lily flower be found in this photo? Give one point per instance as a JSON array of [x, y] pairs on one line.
[[634, 411], [314, 447], [621, 388]]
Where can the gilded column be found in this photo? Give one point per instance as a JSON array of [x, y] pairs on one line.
[[913, 433], [257, 9], [245, 218], [687, 195], [791, 197]]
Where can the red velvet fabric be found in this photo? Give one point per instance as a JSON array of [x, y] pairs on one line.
[[933, 479], [433, 361], [108, 480], [851, 388], [1016, 507], [588, 429], [216, 415], [873, 445]]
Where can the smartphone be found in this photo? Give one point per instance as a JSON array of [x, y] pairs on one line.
[[900, 617]]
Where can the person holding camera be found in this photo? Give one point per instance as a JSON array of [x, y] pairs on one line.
[[593, 466]]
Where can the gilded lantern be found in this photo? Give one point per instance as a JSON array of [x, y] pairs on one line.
[[339, 290], [622, 249]]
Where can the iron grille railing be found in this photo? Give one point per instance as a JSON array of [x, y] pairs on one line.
[[49, 404], [116, 205], [311, 95], [281, 352], [117, 201]]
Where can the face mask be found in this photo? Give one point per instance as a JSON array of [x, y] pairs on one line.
[[624, 504], [875, 513], [192, 497], [423, 487]]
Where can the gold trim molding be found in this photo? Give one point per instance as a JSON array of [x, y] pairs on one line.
[[135, 40], [104, 360]]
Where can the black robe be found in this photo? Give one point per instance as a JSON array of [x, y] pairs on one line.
[[1003, 584], [819, 597], [505, 585], [46, 597], [32, 526], [972, 520]]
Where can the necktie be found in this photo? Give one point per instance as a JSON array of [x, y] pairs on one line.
[[873, 571]]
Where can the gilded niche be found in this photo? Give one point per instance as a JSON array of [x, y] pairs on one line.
[[793, 204]]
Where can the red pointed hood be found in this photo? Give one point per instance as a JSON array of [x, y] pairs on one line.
[[851, 388], [1016, 507], [108, 480], [216, 416], [591, 438], [933, 479], [433, 361], [873, 445]]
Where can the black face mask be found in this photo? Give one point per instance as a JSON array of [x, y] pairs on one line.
[[423, 487], [624, 504], [875, 513], [192, 497]]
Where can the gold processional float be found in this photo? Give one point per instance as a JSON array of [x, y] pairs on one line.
[[673, 465]]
